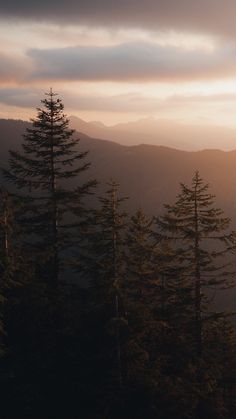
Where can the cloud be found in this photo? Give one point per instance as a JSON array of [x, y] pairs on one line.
[[12, 68], [29, 98], [138, 103], [132, 62], [131, 103], [210, 98], [208, 16], [127, 62], [20, 97]]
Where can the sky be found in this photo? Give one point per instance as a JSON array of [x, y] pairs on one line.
[[117, 61]]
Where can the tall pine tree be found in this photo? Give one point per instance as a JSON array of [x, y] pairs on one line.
[[201, 236], [46, 170]]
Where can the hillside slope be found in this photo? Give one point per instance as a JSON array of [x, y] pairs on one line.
[[150, 175]]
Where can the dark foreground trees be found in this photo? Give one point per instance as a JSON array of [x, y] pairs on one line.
[[168, 369]]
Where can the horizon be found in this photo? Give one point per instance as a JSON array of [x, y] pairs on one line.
[[155, 132]]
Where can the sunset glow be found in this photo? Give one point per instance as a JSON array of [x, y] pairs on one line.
[[117, 68]]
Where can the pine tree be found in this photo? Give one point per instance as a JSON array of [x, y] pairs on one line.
[[141, 289], [140, 249], [104, 266], [202, 240], [142, 295], [45, 171], [108, 265], [201, 244]]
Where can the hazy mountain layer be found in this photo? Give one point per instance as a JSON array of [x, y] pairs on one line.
[[150, 175], [161, 132]]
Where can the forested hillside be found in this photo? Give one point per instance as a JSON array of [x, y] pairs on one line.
[[112, 303], [148, 175]]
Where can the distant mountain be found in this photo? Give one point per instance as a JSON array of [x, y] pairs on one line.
[[160, 132], [11, 132]]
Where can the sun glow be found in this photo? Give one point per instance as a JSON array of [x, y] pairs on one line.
[[197, 100]]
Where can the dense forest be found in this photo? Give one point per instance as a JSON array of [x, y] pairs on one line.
[[107, 314]]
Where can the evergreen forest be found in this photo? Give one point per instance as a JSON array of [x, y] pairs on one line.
[[106, 314]]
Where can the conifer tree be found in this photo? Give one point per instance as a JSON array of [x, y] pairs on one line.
[[44, 170], [156, 343], [201, 244], [202, 240], [104, 266], [140, 249], [141, 287], [108, 271], [52, 212], [142, 296]]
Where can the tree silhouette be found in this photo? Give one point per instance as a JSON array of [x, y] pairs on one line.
[[191, 223], [44, 170]]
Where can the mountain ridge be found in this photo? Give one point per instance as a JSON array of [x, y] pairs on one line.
[[150, 174], [161, 132]]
